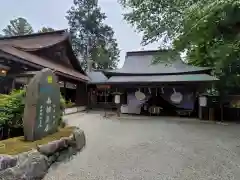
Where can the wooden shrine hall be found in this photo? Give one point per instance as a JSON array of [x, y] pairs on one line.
[[21, 56], [147, 88]]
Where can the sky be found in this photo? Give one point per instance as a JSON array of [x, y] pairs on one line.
[[51, 13]]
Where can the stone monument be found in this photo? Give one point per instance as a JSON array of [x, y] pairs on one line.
[[42, 106]]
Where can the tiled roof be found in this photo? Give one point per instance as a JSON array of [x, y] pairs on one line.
[[162, 78], [36, 41], [96, 77], [26, 56], [142, 63]]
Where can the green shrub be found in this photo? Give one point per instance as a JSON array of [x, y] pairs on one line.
[[3, 97], [69, 104], [62, 103], [62, 107], [12, 108]]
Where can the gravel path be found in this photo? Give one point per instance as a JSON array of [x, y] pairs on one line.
[[152, 148]]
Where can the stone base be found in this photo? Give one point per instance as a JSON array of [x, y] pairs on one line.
[[73, 110], [33, 165]]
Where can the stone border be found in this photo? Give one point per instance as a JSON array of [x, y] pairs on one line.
[[73, 110], [34, 164]]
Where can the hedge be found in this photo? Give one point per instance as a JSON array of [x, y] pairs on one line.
[[12, 108]]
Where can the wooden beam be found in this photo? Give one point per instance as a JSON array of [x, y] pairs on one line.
[[38, 67], [16, 59]]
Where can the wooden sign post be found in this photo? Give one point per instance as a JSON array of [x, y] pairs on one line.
[[42, 106]]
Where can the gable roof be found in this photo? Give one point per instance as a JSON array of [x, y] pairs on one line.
[[23, 46], [141, 62], [36, 41], [42, 62], [97, 77]]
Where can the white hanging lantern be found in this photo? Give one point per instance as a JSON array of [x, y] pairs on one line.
[[203, 101], [117, 99]]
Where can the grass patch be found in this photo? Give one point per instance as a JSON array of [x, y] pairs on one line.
[[17, 145]]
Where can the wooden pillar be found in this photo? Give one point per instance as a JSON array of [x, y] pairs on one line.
[[211, 114], [88, 99], [13, 84], [221, 109], [118, 106], [81, 94], [64, 89], [78, 94], [200, 112], [118, 110], [105, 102]]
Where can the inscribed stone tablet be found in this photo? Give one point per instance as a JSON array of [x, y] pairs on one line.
[[42, 106]]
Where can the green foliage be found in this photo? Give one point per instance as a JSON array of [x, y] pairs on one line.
[[69, 104], [3, 97], [46, 29], [91, 38], [62, 103], [18, 27], [62, 107], [211, 36], [12, 108], [156, 19], [208, 30]]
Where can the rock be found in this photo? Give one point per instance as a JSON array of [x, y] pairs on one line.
[[79, 138], [23, 156], [68, 140], [34, 167], [71, 141], [72, 151], [7, 174], [7, 161], [63, 156], [67, 154], [71, 137], [52, 159], [52, 147]]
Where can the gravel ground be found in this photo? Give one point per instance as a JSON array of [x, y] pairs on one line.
[[152, 148]]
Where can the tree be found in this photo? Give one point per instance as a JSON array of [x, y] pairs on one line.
[[18, 27], [46, 29], [90, 36], [207, 29], [157, 19], [211, 36]]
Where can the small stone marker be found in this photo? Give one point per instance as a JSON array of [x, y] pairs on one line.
[[42, 106]]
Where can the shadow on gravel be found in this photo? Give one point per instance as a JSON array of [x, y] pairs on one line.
[[66, 156]]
